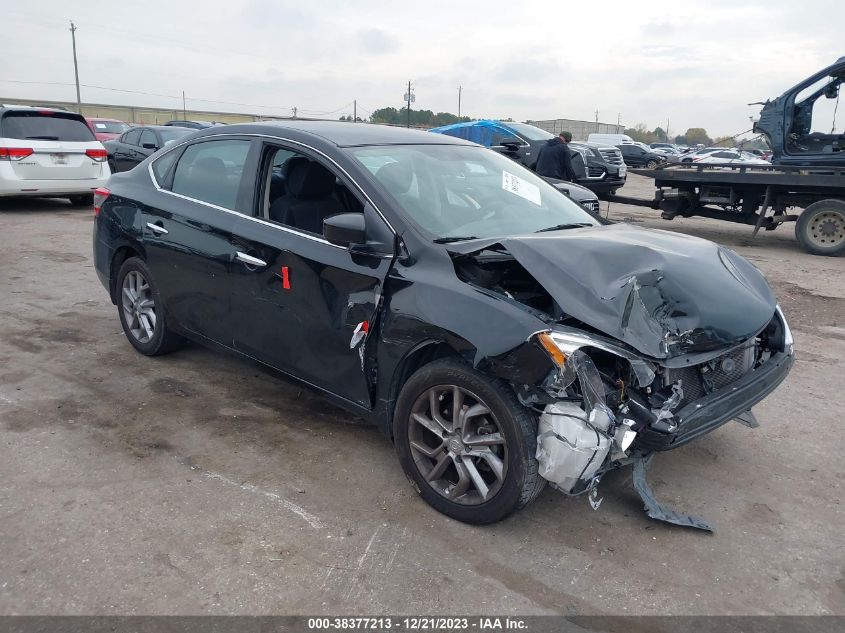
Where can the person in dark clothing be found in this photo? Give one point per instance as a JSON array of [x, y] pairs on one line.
[[555, 159]]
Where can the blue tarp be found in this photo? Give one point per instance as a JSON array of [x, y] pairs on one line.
[[485, 133]]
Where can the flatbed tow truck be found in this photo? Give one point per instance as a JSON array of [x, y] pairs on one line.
[[807, 174]]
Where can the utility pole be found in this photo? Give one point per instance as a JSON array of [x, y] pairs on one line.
[[409, 103], [597, 120], [293, 109], [355, 111], [618, 122], [459, 102], [667, 130], [184, 115], [75, 67]]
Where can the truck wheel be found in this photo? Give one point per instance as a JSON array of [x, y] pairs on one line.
[[821, 228], [466, 443]]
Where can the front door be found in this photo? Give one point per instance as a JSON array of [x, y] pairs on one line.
[[301, 304]]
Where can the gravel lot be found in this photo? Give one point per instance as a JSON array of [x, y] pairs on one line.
[[195, 483]]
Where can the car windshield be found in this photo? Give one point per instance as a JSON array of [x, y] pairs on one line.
[[460, 192], [530, 132], [110, 127], [169, 135]]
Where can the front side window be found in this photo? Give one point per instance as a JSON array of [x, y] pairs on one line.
[[300, 191], [453, 191], [211, 171], [148, 138], [133, 137]]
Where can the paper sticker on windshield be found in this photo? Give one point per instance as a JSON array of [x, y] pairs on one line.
[[520, 187], [100, 126]]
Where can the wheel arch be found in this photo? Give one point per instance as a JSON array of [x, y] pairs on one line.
[[121, 254], [417, 357]]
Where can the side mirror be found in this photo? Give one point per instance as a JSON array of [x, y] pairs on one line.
[[345, 229], [831, 90], [152, 146]]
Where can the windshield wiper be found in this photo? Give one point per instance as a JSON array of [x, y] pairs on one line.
[[454, 238], [43, 138], [561, 227]]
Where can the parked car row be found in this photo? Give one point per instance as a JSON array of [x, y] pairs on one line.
[[599, 168]]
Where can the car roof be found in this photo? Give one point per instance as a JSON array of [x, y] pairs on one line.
[[25, 108], [341, 133]]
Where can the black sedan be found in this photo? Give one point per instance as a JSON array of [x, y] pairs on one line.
[[136, 144], [495, 331], [636, 155]]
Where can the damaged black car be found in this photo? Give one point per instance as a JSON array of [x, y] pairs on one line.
[[499, 334]]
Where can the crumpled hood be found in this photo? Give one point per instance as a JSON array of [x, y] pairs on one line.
[[665, 294]]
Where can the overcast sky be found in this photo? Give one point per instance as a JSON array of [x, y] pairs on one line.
[[696, 64]]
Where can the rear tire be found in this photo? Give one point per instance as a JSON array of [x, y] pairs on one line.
[[83, 200], [501, 467], [141, 310], [820, 228]]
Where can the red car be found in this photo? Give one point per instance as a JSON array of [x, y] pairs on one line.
[[106, 129]]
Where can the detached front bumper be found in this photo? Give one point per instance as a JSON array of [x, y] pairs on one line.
[[717, 408]]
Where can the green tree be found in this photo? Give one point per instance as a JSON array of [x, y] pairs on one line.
[[659, 135], [697, 135]]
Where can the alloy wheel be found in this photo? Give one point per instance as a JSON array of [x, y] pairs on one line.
[[827, 229], [458, 445], [138, 306]]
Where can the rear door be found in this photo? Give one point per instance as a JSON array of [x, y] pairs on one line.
[[303, 305], [127, 154], [58, 142], [187, 233]]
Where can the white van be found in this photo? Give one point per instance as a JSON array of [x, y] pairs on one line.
[[49, 153], [610, 139]]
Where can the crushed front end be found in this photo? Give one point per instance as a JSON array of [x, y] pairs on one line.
[[605, 406]]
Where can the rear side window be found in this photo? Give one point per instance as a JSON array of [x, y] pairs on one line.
[[211, 171], [162, 165], [51, 126]]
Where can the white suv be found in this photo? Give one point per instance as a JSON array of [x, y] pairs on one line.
[[49, 153]]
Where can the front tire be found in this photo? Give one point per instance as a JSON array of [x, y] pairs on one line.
[[466, 443], [652, 164], [141, 310], [821, 228]]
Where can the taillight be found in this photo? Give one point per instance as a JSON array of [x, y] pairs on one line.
[[98, 155], [15, 153], [100, 195]]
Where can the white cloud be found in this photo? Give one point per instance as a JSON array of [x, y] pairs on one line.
[[695, 63]]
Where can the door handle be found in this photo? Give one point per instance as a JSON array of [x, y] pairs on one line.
[[155, 228], [249, 260]]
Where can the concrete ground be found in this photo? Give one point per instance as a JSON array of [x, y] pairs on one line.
[[194, 483]]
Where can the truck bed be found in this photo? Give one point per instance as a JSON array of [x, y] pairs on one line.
[[780, 176]]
